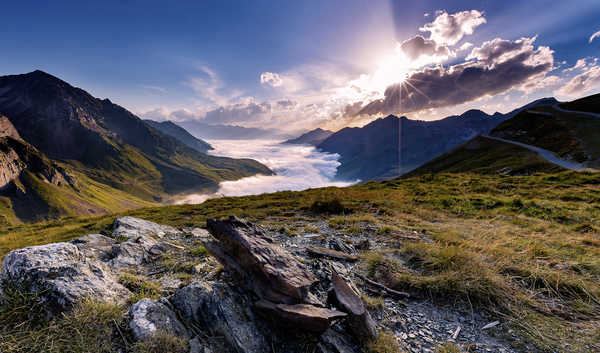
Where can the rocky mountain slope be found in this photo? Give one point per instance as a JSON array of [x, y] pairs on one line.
[[313, 137], [392, 146], [110, 150], [176, 131]]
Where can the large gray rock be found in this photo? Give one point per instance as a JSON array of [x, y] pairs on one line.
[[150, 316], [221, 310], [131, 227], [62, 274], [303, 317]]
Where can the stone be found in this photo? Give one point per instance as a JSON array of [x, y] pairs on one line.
[[220, 310], [197, 346], [304, 317], [150, 316], [339, 245], [63, 276], [359, 320], [131, 227], [333, 342], [271, 271], [96, 246]]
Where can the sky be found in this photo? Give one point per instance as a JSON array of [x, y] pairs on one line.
[[297, 65]]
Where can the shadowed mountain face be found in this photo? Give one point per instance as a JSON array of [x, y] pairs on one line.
[[313, 137], [176, 131], [392, 146], [107, 146]]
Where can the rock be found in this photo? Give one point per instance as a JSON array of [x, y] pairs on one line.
[[336, 255], [130, 227], [220, 310], [363, 245], [338, 245], [62, 275], [197, 346], [359, 320], [333, 342], [150, 316], [96, 246], [300, 316], [136, 251], [271, 271]]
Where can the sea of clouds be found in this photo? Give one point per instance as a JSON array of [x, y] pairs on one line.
[[298, 167]]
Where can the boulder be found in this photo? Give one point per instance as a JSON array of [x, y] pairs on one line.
[[303, 317], [131, 227], [359, 320], [273, 273], [220, 310], [150, 316], [95, 246], [62, 275]]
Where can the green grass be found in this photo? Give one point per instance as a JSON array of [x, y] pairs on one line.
[[525, 248]]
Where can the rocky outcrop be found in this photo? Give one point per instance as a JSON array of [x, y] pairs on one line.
[[11, 166], [87, 267], [151, 316], [221, 310], [360, 321], [273, 273], [305, 316], [7, 128], [62, 275]]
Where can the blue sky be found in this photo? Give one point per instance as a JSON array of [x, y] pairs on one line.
[[323, 63]]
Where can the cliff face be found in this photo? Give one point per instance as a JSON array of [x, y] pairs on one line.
[[10, 166]]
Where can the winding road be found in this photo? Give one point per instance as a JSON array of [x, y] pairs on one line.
[[547, 155], [557, 107]]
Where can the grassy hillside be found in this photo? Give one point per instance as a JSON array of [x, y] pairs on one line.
[[569, 135], [487, 156], [586, 104], [526, 248]]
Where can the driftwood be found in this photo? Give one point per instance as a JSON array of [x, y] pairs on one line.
[[383, 287], [305, 316], [359, 320], [273, 272], [337, 255]]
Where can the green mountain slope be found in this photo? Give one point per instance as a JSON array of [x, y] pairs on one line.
[[570, 135], [109, 144], [487, 156], [35, 188], [181, 134]]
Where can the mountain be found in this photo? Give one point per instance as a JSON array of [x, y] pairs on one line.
[[176, 131], [391, 146], [586, 104], [487, 156], [230, 132], [118, 160], [313, 137], [570, 137]]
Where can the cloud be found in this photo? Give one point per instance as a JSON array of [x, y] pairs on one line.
[[583, 82], [580, 64], [450, 29], [154, 88], [595, 35], [286, 103], [498, 68], [209, 87], [297, 167], [417, 47], [465, 46], [270, 78], [238, 113]]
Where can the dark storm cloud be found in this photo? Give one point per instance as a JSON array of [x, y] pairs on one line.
[[418, 46], [497, 72]]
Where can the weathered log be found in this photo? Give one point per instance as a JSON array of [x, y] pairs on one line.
[[274, 273], [359, 320], [300, 316], [337, 255]]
